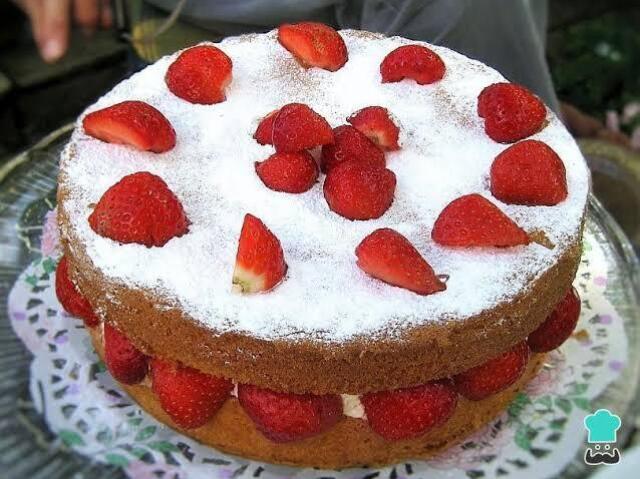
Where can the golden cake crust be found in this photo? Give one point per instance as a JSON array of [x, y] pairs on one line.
[[430, 351], [350, 443]]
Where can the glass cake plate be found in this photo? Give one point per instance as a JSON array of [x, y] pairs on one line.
[[29, 450]]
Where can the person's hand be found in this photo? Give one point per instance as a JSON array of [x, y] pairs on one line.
[[582, 125], [51, 22]]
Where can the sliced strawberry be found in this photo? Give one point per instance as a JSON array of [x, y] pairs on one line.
[[472, 220], [189, 397], [140, 208], [200, 75], [70, 298], [133, 123], [314, 45], [350, 145], [264, 132], [412, 61], [376, 123], [288, 172], [557, 328], [297, 127], [125, 362], [510, 112], [410, 412], [388, 256], [359, 191], [260, 261], [529, 173], [284, 417], [495, 375]]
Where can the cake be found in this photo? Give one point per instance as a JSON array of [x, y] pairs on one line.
[[321, 248]]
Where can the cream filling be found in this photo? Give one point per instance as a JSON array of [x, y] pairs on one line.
[[351, 404]]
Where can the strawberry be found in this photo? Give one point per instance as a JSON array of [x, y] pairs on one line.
[[200, 74], [189, 397], [472, 220], [388, 256], [133, 123], [125, 362], [510, 112], [349, 144], [288, 172], [359, 191], [412, 61], [410, 412], [70, 298], [495, 375], [375, 122], [140, 208], [529, 173], [260, 261], [264, 132], [314, 45], [557, 328], [297, 127], [284, 417]]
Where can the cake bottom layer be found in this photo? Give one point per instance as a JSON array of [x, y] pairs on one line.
[[350, 443]]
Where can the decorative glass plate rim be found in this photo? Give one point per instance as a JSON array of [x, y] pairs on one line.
[[29, 430]]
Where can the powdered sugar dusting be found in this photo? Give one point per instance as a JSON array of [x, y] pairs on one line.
[[444, 154]]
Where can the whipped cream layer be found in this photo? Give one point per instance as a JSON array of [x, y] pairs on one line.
[[444, 154]]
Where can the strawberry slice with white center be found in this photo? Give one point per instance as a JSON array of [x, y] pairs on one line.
[[314, 45], [376, 123], [133, 123], [260, 261]]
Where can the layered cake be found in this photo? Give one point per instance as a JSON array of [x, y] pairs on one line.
[[321, 248]]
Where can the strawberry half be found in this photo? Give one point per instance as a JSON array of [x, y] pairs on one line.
[[133, 123], [529, 173], [314, 45], [359, 191], [495, 375], [557, 328], [70, 298], [388, 256], [472, 220], [350, 144], [297, 127], [410, 412], [260, 261], [376, 123], [510, 112], [284, 417], [189, 397], [264, 132], [288, 172], [200, 75], [140, 208], [125, 362], [416, 62]]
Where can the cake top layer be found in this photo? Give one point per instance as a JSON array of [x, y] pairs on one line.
[[444, 154]]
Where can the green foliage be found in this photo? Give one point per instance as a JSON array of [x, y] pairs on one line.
[[595, 64]]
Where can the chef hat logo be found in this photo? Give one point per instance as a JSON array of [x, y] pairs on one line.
[[602, 426]]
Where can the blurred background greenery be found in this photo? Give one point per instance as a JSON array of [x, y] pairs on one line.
[[595, 62]]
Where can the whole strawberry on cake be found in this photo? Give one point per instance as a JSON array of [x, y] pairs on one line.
[[322, 248]]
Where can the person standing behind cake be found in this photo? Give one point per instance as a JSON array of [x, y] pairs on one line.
[[509, 36]]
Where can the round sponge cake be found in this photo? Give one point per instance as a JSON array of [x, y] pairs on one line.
[[328, 327]]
